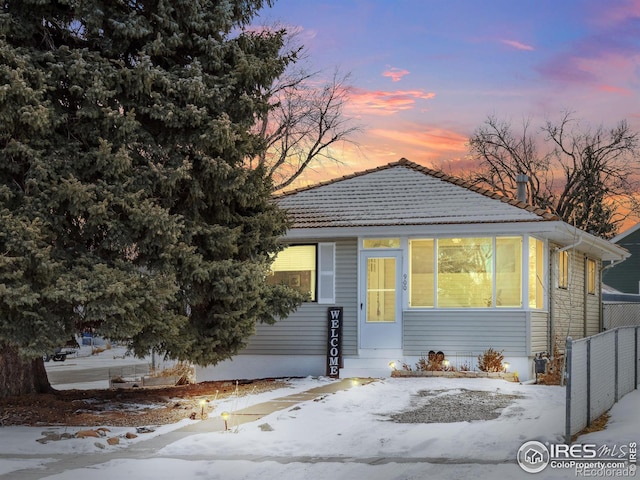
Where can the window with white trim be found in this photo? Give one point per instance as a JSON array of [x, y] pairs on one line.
[[591, 276], [309, 269], [563, 269], [474, 272], [536, 273]]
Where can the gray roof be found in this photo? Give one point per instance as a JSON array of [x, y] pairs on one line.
[[401, 193]]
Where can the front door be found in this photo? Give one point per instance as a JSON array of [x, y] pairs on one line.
[[381, 297]]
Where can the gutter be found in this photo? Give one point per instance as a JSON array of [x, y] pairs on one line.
[[568, 247]]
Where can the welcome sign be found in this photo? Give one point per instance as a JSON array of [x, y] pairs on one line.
[[334, 344]]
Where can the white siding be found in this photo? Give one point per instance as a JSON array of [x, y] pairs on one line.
[[593, 306], [575, 312], [539, 332], [304, 332]]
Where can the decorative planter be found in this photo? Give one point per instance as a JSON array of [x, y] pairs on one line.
[[510, 377]]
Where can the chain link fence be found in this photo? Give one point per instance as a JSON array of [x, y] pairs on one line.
[[601, 369], [620, 315]]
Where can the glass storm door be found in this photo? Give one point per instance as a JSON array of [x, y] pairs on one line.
[[380, 304]]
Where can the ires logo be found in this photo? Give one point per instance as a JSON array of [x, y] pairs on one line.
[[586, 459]]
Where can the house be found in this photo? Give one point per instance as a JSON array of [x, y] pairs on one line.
[[625, 277], [619, 309], [422, 262], [533, 456]]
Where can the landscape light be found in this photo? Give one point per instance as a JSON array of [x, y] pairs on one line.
[[225, 417], [392, 365], [355, 382], [203, 402], [506, 366]]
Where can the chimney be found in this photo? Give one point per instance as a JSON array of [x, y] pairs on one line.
[[521, 183]]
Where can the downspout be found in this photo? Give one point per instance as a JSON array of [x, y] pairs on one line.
[[570, 246]]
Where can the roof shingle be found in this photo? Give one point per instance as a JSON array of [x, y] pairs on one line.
[[401, 193]]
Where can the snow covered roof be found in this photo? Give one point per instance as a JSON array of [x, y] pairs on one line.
[[402, 193]]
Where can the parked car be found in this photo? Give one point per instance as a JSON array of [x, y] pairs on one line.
[[60, 354]]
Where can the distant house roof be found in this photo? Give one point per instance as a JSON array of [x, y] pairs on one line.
[[626, 233], [611, 295], [402, 193]]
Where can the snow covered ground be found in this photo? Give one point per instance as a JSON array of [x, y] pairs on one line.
[[344, 435]]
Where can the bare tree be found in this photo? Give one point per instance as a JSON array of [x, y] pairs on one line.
[[306, 121], [586, 177]]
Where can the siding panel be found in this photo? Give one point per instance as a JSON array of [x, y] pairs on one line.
[[458, 331], [304, 332], [575, 312], [539, 332]]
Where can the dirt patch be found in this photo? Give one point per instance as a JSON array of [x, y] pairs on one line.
[[448, 406], [124, 407]]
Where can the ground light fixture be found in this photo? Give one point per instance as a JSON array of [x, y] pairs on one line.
[[355, 382], [506, 366], [392, 365], [446, 363], [225, 417], [203, 402]]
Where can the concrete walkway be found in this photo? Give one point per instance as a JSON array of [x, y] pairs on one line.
[[148, 448]]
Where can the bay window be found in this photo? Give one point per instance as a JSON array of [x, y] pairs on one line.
[[465, 272], [536, 273], [474, 272]]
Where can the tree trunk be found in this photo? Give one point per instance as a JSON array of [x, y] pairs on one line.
[[19, 376]]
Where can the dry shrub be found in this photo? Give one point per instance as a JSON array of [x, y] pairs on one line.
[[433, 362], [555, 371], [597, 425], [490, 361], [183, 370], [465, 367]]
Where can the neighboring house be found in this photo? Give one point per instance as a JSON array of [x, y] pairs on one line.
[[625, 277], [422, 262], [619, 309]]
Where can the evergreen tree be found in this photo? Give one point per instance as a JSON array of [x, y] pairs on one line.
[[124, 204]]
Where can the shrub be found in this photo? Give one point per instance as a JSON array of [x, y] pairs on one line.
[[433, 362], [490, 361], [465, 367], [555, 371]]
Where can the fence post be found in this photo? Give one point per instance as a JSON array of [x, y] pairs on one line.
[[637, 357], [617, 367], [588, 382], [567, 436]]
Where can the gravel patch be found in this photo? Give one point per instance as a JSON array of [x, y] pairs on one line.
[[449, 406]]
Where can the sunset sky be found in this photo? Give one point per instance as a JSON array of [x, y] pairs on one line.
[[427, 73]]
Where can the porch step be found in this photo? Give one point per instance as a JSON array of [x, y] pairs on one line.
[[367, 367]]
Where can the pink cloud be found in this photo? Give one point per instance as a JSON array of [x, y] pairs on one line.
[[380, 102], [395, 74], [614, 89], [617, 12], [605, 57], [594, 69], [437, 139], [517, 45]]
